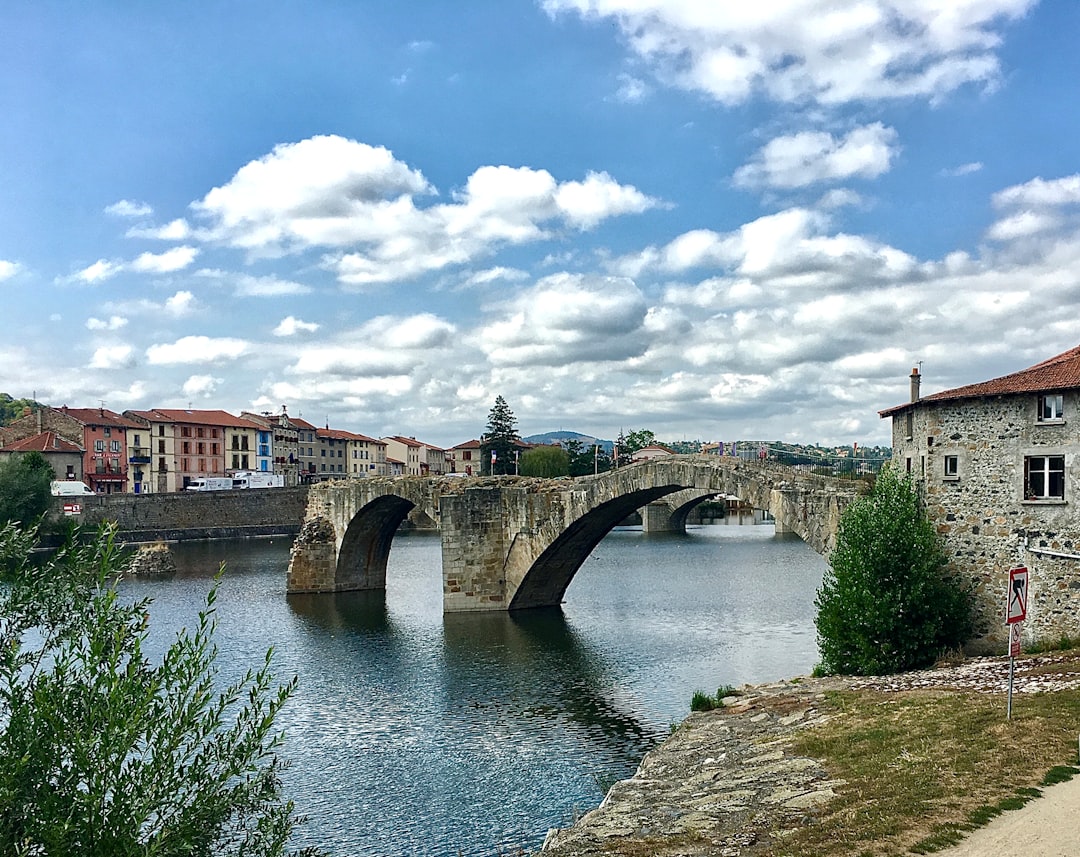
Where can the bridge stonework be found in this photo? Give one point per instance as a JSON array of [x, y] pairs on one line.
[[512, 543]]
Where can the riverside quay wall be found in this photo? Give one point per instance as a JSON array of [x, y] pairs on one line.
[[196, 514]]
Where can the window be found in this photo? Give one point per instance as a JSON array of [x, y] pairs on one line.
[[114, 446], [909, 421], [99, 446], [1044, 477], [185, 431], [186, 448], [236, 462], [161, 431], [107, 431], [1051, 408], [161, 464], [952, 467]]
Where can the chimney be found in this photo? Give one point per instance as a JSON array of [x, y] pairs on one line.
[[915, 380]]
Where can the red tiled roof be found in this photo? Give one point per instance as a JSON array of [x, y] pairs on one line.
[[45, 442], [1058, 373], [299, 423], [98, 417], [193, 417], [469, 444]]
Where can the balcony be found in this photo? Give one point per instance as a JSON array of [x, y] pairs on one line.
[[139, 455]]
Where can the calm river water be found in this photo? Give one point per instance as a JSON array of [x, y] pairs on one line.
[[412, 733]]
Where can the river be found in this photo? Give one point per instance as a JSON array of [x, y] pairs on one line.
[[412, 733]]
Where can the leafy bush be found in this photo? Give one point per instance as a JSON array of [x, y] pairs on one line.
[[24, 488], [104, 753], [887, 603]]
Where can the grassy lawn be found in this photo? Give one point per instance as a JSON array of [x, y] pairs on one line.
[[922, 767]]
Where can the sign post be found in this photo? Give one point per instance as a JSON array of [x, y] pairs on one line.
[[1016, 600]]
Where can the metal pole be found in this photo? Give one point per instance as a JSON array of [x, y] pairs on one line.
[[1012, 667]]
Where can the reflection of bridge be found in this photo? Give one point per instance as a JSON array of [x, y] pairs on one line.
[[511, 543]]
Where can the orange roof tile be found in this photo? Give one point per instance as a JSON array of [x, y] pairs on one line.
[[45, 442], [1058, 373]]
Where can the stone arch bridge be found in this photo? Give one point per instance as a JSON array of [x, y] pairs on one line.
[[510, 543]]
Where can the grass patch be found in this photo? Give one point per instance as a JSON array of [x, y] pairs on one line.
[[701, 701], [923, 768], [1062, 644]]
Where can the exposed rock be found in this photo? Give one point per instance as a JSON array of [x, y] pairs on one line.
[[152, 559]]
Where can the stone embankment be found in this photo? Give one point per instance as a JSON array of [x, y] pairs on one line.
[[728, 780]]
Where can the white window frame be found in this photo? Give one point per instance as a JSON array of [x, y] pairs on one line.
[[1051, 408], [1039, 477], [951, 467]]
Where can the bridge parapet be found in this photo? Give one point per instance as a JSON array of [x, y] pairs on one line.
[[512, 543]]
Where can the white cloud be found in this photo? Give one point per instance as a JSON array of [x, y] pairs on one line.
[[568, 318], [1037, 208], [289, 326], [201, 386], [174, 230], [114, 322], [265, 287], [180, 304], [98, 272], [129, 208], [196, 349], [175, 259], [360, 202], [632, 90], [8, 270], [494, 275], [111, 357], [797, 51], [813, 157], [963, 170]]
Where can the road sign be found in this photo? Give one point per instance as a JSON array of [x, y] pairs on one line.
[[1014, 639], [73, 508], [1017, 597]]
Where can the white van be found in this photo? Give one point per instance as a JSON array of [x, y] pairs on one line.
[[71, 488]]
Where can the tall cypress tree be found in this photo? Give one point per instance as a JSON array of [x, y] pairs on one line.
[[499, 439]]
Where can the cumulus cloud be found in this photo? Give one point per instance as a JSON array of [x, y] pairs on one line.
[[98, 272], [814, 157], [495, 275], [175, 259], [360, 203], [248, 286], [114, 322], [1037, 208], [8, 269], [201, 386], [129, 208], [290, 326], [111, 357], [174, 230], [196, 349], [798, 51], [963, 170], [180, 304], [567, 318], [631, 89]]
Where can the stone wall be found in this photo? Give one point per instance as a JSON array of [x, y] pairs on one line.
[[987, 524], [198, 514]]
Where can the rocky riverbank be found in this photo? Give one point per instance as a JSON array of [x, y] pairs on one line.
[[727, 782]]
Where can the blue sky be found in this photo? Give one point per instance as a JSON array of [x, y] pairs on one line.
[[713, 220]]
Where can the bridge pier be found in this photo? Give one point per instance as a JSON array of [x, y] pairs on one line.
[[659, 518]]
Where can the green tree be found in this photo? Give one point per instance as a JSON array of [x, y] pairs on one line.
[[628, 444], [11, 409], [546, 461], [24, 488], [500, 437], [887, 603], [105, 754]]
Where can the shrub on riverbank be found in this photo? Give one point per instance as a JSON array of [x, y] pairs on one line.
[[106, 754], [887, 603]]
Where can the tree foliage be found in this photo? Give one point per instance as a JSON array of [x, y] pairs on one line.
[[104, 753], [586, 460], [546, 461], [500, 437], [12, 409], [887, 603], [629, 443], [24, 488]]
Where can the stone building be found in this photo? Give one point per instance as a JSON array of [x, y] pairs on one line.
[[998, 466]]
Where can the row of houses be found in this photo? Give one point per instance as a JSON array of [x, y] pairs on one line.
[[163, 450]]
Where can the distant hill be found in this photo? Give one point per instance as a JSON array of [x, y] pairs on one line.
[[563, 436]]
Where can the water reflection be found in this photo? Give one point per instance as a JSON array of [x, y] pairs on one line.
[[471, 734]]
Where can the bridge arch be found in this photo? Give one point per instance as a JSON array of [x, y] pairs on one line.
[[365, 546]]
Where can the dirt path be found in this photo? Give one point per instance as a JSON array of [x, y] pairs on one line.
[[1045, 827]]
